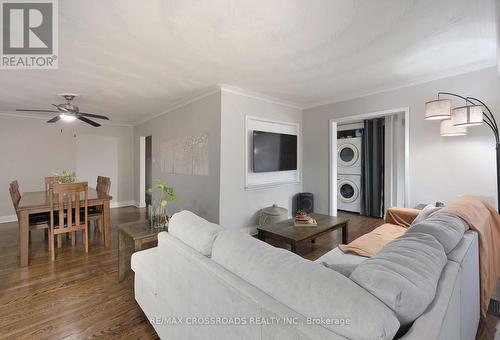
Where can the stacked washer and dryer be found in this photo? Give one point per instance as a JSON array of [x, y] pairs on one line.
[[349, 174]]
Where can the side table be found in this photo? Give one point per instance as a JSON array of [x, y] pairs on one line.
[[133, 237]]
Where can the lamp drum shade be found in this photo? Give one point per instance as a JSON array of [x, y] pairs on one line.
[[469, 115], [447, 129], [438, 109]]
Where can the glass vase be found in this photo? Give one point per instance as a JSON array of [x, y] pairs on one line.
[[157, 217]]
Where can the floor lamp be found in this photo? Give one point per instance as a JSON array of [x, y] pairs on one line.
[[454, 121]]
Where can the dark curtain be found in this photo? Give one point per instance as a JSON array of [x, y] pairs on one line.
[[372, 168]]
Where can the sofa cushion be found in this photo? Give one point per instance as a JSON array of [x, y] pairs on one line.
[[425, 213], [307, 287], [337, 256], [458, 253], [342, 268], [194, 231], [447, 228], [144, 263], [404, 274]]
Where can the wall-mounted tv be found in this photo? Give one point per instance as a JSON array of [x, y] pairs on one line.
[[274, 151]]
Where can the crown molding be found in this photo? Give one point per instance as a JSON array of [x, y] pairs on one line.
[[182, 102], [220, 88], [40, 117], [423, 80], [259, 96]]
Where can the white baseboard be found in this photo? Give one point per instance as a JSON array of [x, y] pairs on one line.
[[127, 204], [121, 204], [8, 218]]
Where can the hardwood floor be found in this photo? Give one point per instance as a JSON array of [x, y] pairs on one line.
[[78, 296]]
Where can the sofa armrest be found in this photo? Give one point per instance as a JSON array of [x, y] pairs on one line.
[[401, 216]]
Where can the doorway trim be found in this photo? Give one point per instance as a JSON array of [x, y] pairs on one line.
[[142, 171], [332, 189]]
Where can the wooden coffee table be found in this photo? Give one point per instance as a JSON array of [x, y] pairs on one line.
[[132, 237], [287, 232]]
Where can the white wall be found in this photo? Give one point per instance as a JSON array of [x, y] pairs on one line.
[[199, 194], [239, 207], [31, 149], [440, 167]]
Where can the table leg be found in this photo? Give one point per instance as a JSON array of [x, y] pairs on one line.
[[23, 237], [138, 245], [293, 247], [107, 223], [344, 234]]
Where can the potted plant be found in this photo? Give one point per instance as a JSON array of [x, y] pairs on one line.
[[65, 177], [161, 194]]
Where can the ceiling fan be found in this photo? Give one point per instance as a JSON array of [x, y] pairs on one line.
[[69, 112]]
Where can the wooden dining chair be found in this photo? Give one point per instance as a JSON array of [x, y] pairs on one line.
[[103, 184], [96, 215], [36, 221], [49, 180], [72, 216]]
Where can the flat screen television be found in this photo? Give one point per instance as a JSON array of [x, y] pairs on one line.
[[274, 152]]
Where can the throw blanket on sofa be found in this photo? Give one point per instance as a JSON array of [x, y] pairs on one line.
[[371, 243], [398, 220], [401, 216], [484, 219]]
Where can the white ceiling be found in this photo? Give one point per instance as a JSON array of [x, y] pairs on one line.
[[132, 59]]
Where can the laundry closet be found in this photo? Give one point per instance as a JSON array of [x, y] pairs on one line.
[[371, 165]]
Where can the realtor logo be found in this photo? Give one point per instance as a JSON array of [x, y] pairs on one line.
[[29, 34]]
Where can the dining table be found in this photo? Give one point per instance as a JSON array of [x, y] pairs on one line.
[[35, 202]]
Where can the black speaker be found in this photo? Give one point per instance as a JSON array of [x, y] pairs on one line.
[[305, 202]]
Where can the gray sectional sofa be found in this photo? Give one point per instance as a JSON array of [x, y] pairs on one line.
[[204, 281]]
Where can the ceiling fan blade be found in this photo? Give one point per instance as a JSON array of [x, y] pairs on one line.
[[60, 108], [30, 110], [88, 121], [93, 115], [53, 120]]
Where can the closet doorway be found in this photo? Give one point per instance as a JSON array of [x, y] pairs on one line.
[[369, 162]]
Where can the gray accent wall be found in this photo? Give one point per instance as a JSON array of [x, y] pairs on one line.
[[200, 194], [239, 207], [440, 167], [31, 149]]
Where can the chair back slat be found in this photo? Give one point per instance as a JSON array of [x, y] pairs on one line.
[[77, 209], [69, 198], [49, 181], [14, 194], [15, 184], [69, 209]]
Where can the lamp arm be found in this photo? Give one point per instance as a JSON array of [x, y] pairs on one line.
[[490, 124], [490, 120], [488, 109], [495, 132], [456, 95]]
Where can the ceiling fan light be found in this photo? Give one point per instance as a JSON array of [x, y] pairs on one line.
[[469, 115], [438, 109], [447, 129], [67, 118]]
